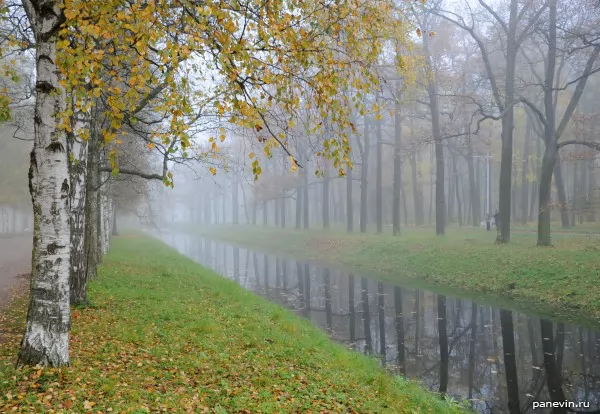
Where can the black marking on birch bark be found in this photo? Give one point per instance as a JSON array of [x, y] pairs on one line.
[[37, 120], [56, 146], [53, 247], [32, 165], [54, 208], [44, 87], [65, 187]]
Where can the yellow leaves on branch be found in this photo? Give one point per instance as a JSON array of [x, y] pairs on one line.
[[292, 56]]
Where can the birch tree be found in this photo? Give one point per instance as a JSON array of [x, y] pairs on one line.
[[288, 54], [46, 338]]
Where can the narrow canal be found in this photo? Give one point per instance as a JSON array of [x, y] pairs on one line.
[[500, 360]]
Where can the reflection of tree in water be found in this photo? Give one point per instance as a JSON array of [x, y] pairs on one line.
[[543, 362]]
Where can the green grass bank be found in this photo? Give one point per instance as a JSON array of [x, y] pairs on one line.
[[561, 281], [165, 334]]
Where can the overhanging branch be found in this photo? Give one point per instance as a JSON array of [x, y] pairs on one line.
[[593, 145], [140, 174]]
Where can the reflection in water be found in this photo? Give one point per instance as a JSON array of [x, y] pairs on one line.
[[510, 363], [499, 360]]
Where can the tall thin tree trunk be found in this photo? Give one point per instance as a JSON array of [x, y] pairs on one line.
[[553, 374], [397, 164], [508, 123], [401, 357], [443, 342], [510, 365], [366, 314], [364, 173], [562, 195], [298, 208], [417, 198], [432, 91], [46, 338], [379, 172], [78, 158], [524, 179], [349, 201], [305, 198], [551, 151], [535, 189], [326, 197], [113, 228], [456, 189]]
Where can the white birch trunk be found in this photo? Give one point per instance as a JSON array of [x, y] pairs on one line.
[[46, 338], [99, 215], [78, 175]]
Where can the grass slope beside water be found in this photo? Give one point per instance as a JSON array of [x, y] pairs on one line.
[[167, 334], [561, 281]]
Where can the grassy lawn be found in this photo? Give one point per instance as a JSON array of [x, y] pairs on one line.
[[165, 334], [561, 281]]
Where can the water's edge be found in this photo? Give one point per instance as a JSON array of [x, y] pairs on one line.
[[471, 350]]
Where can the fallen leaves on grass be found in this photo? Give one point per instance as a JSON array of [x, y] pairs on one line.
[[167, 335]]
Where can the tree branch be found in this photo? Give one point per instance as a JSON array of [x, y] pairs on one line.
[[593, 145], [136, 173]]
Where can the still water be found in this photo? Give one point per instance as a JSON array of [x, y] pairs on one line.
[[501, 361]]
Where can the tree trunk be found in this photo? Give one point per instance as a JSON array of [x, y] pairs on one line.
[[234, 200], [535, 189], [381, 315], [472, 343], [364, 173], [305, 198], [473, 186], [298, 208], [282, 215], [432, 91], [366, 314], [431, 186], [524, 180], [113, 229], [592, 199], [451, 190], [46, 338], [77, 150], [379, 172], [443, 342], [417, 198], [510, 365], [508, 123], [401, 354], [397, 164], [553, 374], [325, 198], [514, 193], [562, 195], [551, 151], [352, 308], [327, 286], [456, 187], [349, 202], [574, 193], [404, 209], [91, 218]]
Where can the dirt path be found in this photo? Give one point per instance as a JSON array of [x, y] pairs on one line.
[[15, 261]]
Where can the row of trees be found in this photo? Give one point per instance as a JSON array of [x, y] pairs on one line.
[[127, 88], [441, 129]]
